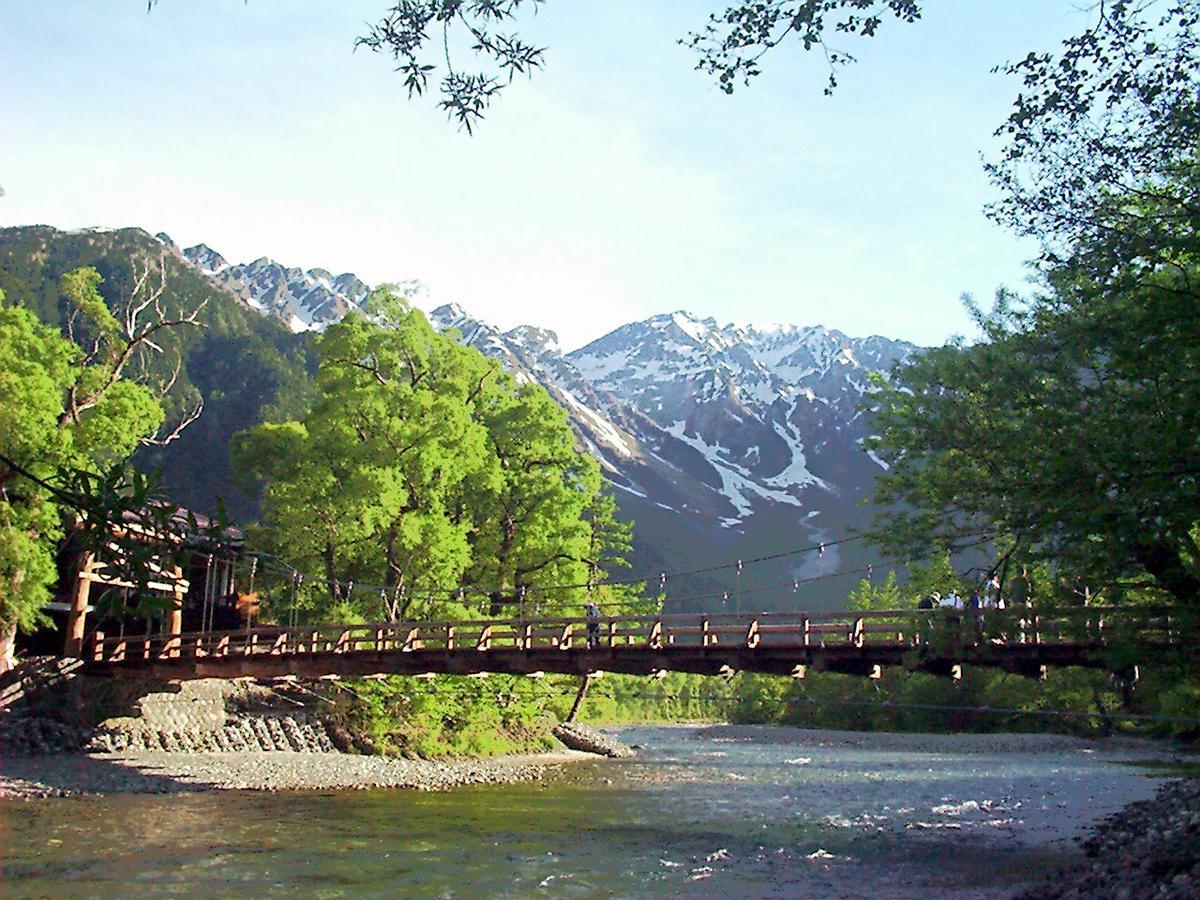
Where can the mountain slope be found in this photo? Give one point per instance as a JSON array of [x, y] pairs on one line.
[[722, 441], [246, 367], [302, 299]]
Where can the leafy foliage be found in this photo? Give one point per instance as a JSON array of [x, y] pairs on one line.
[[405, 30], [1069, 434], [1100, 146], [424, 471], [63, 409], [418, 35], [452, 716], [241, 367], [733, 42]]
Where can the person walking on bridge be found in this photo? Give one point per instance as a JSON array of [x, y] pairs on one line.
[[593, 626]]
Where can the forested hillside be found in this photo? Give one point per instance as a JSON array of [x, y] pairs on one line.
[[245, 368]]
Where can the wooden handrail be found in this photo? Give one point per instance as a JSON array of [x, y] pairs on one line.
[[768, 631]]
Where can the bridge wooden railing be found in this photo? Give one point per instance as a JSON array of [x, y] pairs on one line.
[[1090, 626]]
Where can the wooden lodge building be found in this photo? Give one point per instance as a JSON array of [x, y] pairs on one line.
[[195, 584]]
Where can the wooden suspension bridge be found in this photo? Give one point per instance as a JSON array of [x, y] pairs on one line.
[[1019, 640]]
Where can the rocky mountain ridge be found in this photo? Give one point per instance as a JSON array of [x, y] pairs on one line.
[[303, 299], [720, 440], [716, 422]]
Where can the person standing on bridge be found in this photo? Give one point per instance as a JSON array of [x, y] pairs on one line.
[[975, 605], [593, 626], [952, 602]]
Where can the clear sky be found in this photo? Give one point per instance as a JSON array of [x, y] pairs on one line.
[[616, 184]]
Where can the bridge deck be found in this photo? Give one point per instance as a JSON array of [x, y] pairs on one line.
[[1020, 640]]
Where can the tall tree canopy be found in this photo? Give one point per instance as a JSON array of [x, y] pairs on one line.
[[71, 407], [426, 472], [1070, 433]]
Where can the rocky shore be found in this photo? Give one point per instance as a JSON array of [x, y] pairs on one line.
[[1148, 849], [62, 735], [155, 772], [589, 740]]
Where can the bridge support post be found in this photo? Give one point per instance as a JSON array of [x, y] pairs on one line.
[[175, 616], [81, 588], [580, 694]]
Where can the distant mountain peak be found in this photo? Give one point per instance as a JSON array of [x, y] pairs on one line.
[[206, 258], [303, 300], [536, 341], [449, 312], [720, 421]]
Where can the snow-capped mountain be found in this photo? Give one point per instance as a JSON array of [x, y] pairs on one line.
[[722, 421], [773, 411], [303, 299], [719, 439]]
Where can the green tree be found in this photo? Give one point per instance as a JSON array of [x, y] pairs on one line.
[[1069, 434], [530, 526], [68, 410], [426, 472], [359, 489]]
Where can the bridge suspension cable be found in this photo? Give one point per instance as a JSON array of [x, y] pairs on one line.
[[663, 577]]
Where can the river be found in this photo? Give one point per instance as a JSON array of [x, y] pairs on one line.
[[700, 812]]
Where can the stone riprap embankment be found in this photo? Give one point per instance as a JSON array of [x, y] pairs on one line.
[[62, 735], [589, 740], [1148, 849], [261, 733]]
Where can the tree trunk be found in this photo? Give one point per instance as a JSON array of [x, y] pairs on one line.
[[330, 574], [8, 647], [583, 686]]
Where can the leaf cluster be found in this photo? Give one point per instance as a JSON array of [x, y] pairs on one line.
[[732, 43], [409, 28], [425, 471]]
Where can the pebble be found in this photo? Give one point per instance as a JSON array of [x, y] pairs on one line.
[[1148, 849]]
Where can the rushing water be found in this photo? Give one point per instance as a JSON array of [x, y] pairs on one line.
[[694, 815]]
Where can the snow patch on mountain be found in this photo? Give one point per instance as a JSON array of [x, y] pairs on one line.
[[695, 416], [303, 300]]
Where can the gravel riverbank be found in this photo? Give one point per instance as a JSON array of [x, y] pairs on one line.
[[1148, 849], [32, 777]]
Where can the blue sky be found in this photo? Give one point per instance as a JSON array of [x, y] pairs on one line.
[[615, 184]]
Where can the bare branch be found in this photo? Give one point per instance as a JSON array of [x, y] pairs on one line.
[[161, 440]]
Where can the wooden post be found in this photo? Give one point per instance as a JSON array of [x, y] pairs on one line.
[[81, 588], [175, 617], [578, 700]]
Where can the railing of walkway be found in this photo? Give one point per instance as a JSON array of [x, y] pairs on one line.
[[1076, 626]]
